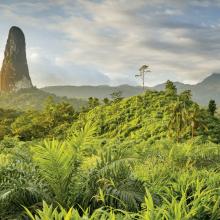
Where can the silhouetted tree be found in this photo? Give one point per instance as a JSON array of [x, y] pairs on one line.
[[142, 71], [212, 107], [106, 101]]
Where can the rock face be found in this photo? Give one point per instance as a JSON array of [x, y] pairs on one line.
[[14, 74]]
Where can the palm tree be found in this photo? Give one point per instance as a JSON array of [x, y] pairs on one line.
[[177, 122], [57, 161], [194, 120]]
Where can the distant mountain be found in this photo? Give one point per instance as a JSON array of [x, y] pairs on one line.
[[85, 92], [208, 89], [202, 92]]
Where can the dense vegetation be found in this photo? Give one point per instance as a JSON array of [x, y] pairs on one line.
[[151, 156]]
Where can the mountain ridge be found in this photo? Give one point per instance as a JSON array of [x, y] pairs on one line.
[[208, 88]]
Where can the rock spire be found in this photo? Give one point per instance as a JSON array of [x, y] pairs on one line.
[[14, 74]]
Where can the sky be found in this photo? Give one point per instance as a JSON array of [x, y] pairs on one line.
[[94, 42]]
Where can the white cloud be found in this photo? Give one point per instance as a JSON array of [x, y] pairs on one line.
[[169, 11], [114, 38]]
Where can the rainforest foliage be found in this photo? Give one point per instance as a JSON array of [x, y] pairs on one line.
[[153, 156]]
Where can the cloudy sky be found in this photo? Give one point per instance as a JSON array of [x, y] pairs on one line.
[[81, 42]]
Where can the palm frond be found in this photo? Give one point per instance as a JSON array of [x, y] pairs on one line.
[[79, 139], [54, 160]]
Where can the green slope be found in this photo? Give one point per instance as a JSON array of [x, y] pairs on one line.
[[145, 118], [33, 99]]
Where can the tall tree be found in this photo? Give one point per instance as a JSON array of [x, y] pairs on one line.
[[170, 88], [212, 107], [142, 71], [177, 123], [194, 119]]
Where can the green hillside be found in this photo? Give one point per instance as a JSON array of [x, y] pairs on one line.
[[154, 156], [146, 117], [33, 99]]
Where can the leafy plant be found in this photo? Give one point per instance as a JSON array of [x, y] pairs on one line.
[[55, 162]]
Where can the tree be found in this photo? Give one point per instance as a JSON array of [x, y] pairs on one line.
[[177, 123], [7, 117], [186, 95], [170, 88], [116, 96], [212, 107], [185, 119], [106, 101], [142, 71], [93, 102], [55, 162], [194, 120]]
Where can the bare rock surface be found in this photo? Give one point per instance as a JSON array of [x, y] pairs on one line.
[[14, 74]]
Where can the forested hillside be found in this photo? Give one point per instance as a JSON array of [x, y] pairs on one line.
[[33, 98], [152, 116], [153, 156]]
